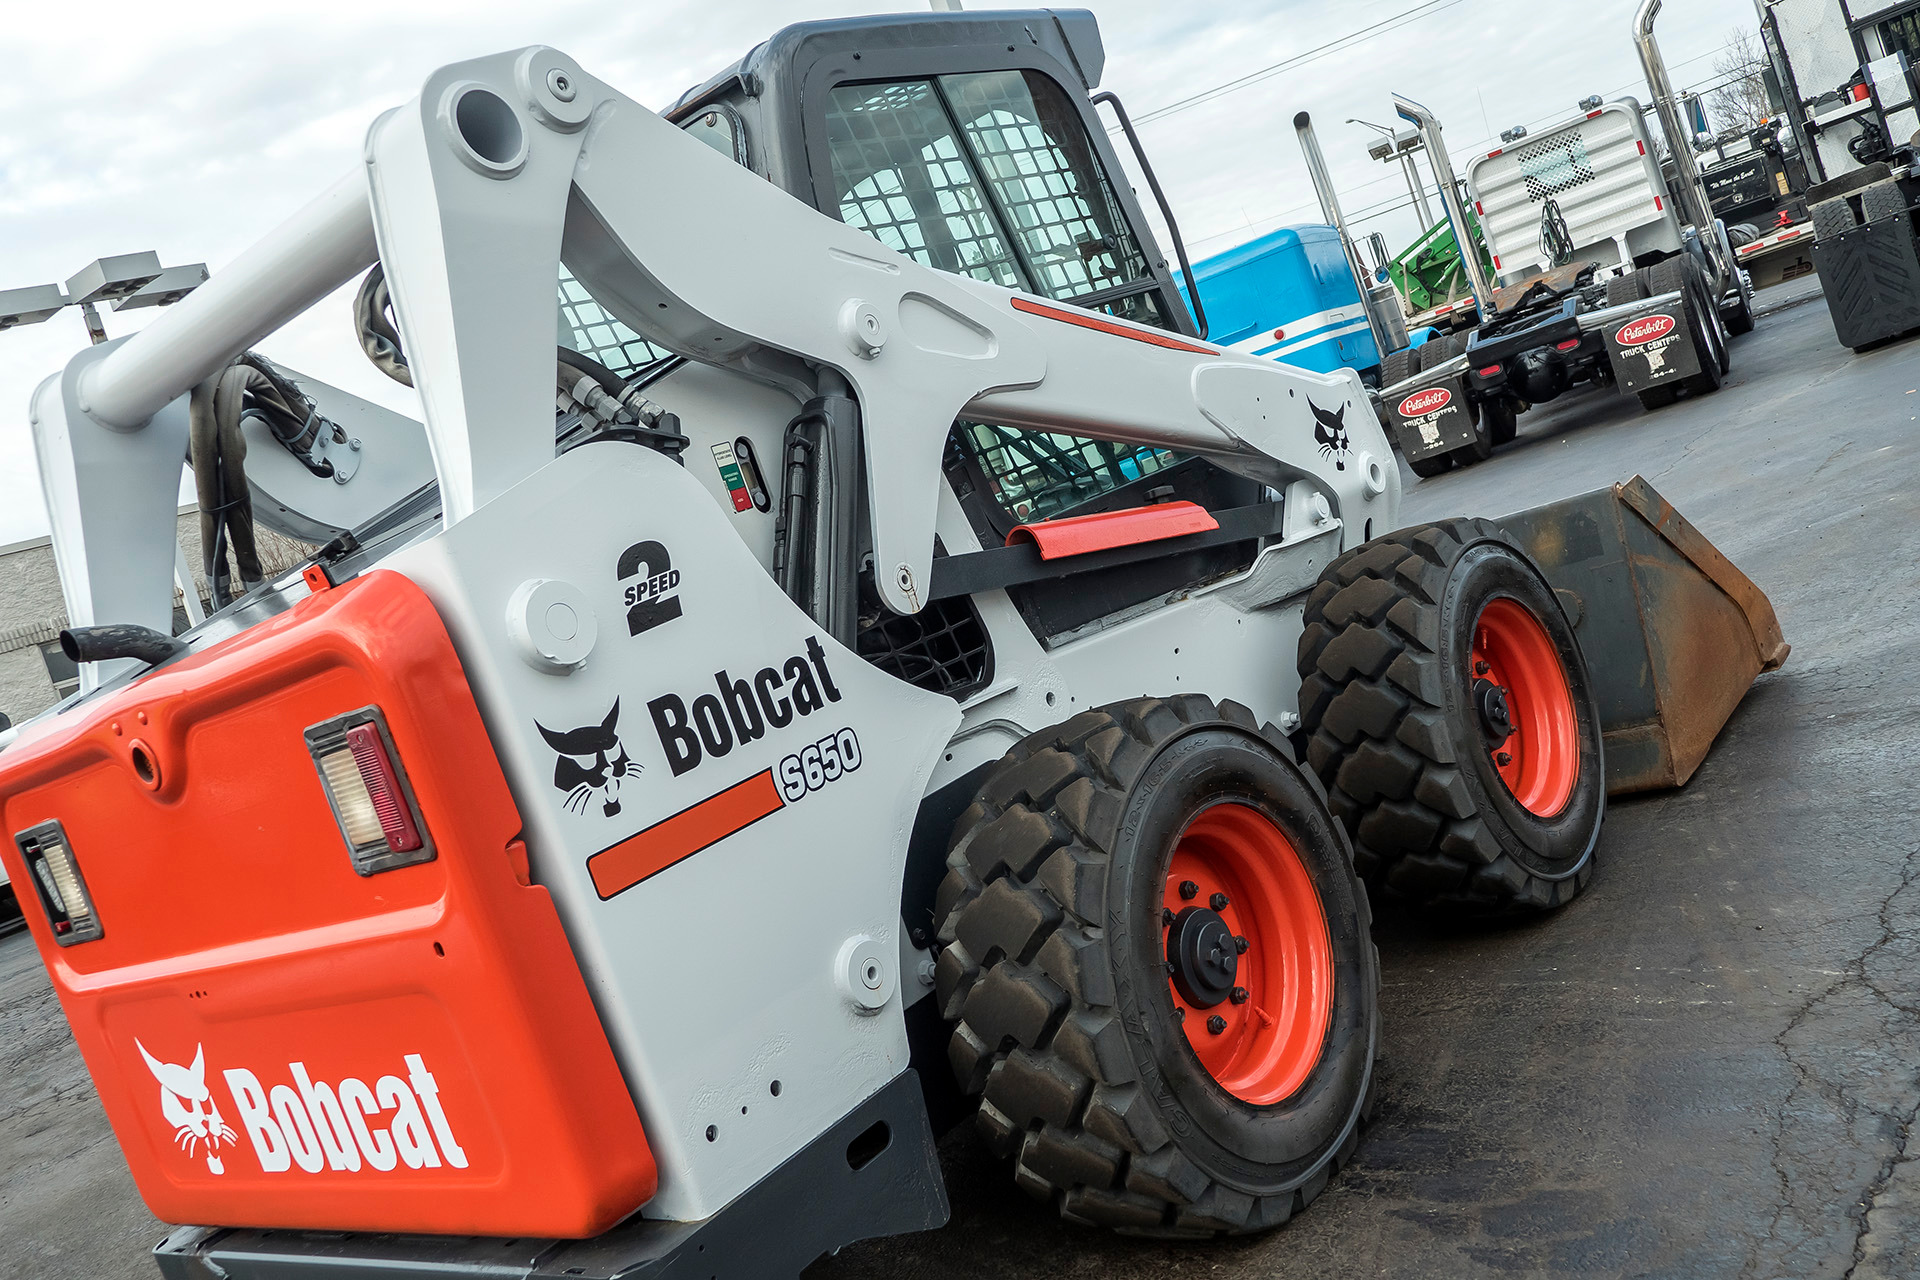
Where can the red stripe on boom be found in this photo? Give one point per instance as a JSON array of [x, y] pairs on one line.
[[1087, 320]]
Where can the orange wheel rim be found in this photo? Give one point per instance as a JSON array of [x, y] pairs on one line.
[[1525, 707], [1263, 1038]]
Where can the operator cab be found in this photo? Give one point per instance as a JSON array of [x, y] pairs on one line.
[[968, 142]]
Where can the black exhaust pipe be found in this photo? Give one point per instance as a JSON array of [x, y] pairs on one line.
[[119, 640]]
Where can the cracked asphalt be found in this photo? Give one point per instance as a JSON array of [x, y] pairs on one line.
[[1708, 1065]]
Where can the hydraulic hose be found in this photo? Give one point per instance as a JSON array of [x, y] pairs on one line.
[[118, 640], [217, 449], [373, 321]]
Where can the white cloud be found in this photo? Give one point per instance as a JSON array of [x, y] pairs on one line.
[[192, 129]]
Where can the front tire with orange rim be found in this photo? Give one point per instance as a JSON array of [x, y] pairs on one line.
[[1156, 953], [1449, 712]]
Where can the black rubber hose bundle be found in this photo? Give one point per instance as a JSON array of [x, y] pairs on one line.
[[217, 449]]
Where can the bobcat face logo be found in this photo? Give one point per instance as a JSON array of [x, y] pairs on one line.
[[188, 1106], [591, 763], [1330, 429]]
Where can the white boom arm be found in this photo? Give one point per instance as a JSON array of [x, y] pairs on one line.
[[505, 165]]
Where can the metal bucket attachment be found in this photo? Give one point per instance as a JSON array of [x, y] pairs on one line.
[[1673, 633]]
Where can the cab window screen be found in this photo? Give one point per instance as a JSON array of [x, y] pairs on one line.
[[1028, 141], [901, 178], [991, 175]]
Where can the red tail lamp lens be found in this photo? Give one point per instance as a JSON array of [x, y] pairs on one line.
[[1568, 345], [1489, 371], [383, 788], [368, 792]]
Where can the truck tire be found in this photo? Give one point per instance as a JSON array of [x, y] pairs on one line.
[[1428, 468], [1832, 218], [1398, 366], [1681, 273], [1631, 287], [1882, 200], [1402, 721], [1740, 319], [1482, 447], [1502, 417], [1438, 351], [1091, 848]]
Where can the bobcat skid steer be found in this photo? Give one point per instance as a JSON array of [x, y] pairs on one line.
[[883, 667]]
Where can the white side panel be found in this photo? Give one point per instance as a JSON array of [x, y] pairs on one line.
[[110, 498], [717, 975], [718, 406], [1602, 173]]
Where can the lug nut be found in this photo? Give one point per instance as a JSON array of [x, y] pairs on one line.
[[1179, 1014], [1239, 995], [1189, 890], [1218, 902], [1216, 1024], [1503, 759], [1166, 917], [1481, 668], [1240, 944]]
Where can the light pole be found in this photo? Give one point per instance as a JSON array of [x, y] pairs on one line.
[[128, 280], [1401, 146]]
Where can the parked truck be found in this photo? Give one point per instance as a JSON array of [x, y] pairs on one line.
[[1845, 69], [1288, 295], [1609, 274]]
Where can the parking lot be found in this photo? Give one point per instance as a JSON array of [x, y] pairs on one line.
[[1709, 1065]]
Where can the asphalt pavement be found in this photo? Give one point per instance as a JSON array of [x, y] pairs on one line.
[[1708, 1065]]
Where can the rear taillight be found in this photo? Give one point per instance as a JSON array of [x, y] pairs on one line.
[[62, 889], [367, 788], [1489, 371], [1568, 345]]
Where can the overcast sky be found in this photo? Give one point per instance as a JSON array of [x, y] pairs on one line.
[[193, 127]]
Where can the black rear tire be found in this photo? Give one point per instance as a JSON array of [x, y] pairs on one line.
[[1428, 468], [1631, 287], [1438, 351], [1682, 273], [1055, 964], [1482, 446], [1388, 699], [1502, 418], [1398, 366]]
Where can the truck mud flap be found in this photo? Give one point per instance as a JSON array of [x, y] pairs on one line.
[[1432, 418], [1871, 275], [1652, 348], [1672, 632]]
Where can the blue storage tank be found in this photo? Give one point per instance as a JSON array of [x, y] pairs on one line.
[[1289, 296]]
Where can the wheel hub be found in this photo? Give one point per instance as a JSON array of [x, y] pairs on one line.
[[1202, 957], [1496, 717]]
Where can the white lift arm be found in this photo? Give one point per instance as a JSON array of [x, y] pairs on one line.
[[505, 165]]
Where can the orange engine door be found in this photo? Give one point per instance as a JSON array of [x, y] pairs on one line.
[[281, 1040]]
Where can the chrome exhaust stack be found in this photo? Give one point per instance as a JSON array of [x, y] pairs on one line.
[[1423, 120], [1689, 192], [1380, 301]]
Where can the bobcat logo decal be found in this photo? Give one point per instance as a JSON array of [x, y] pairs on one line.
[[1330, 429], [188, 1106], [591, 763]]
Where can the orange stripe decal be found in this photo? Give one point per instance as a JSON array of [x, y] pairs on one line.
[[686, 833], [1087, 320]]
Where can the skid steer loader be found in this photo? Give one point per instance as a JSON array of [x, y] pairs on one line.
[[884, 667]]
